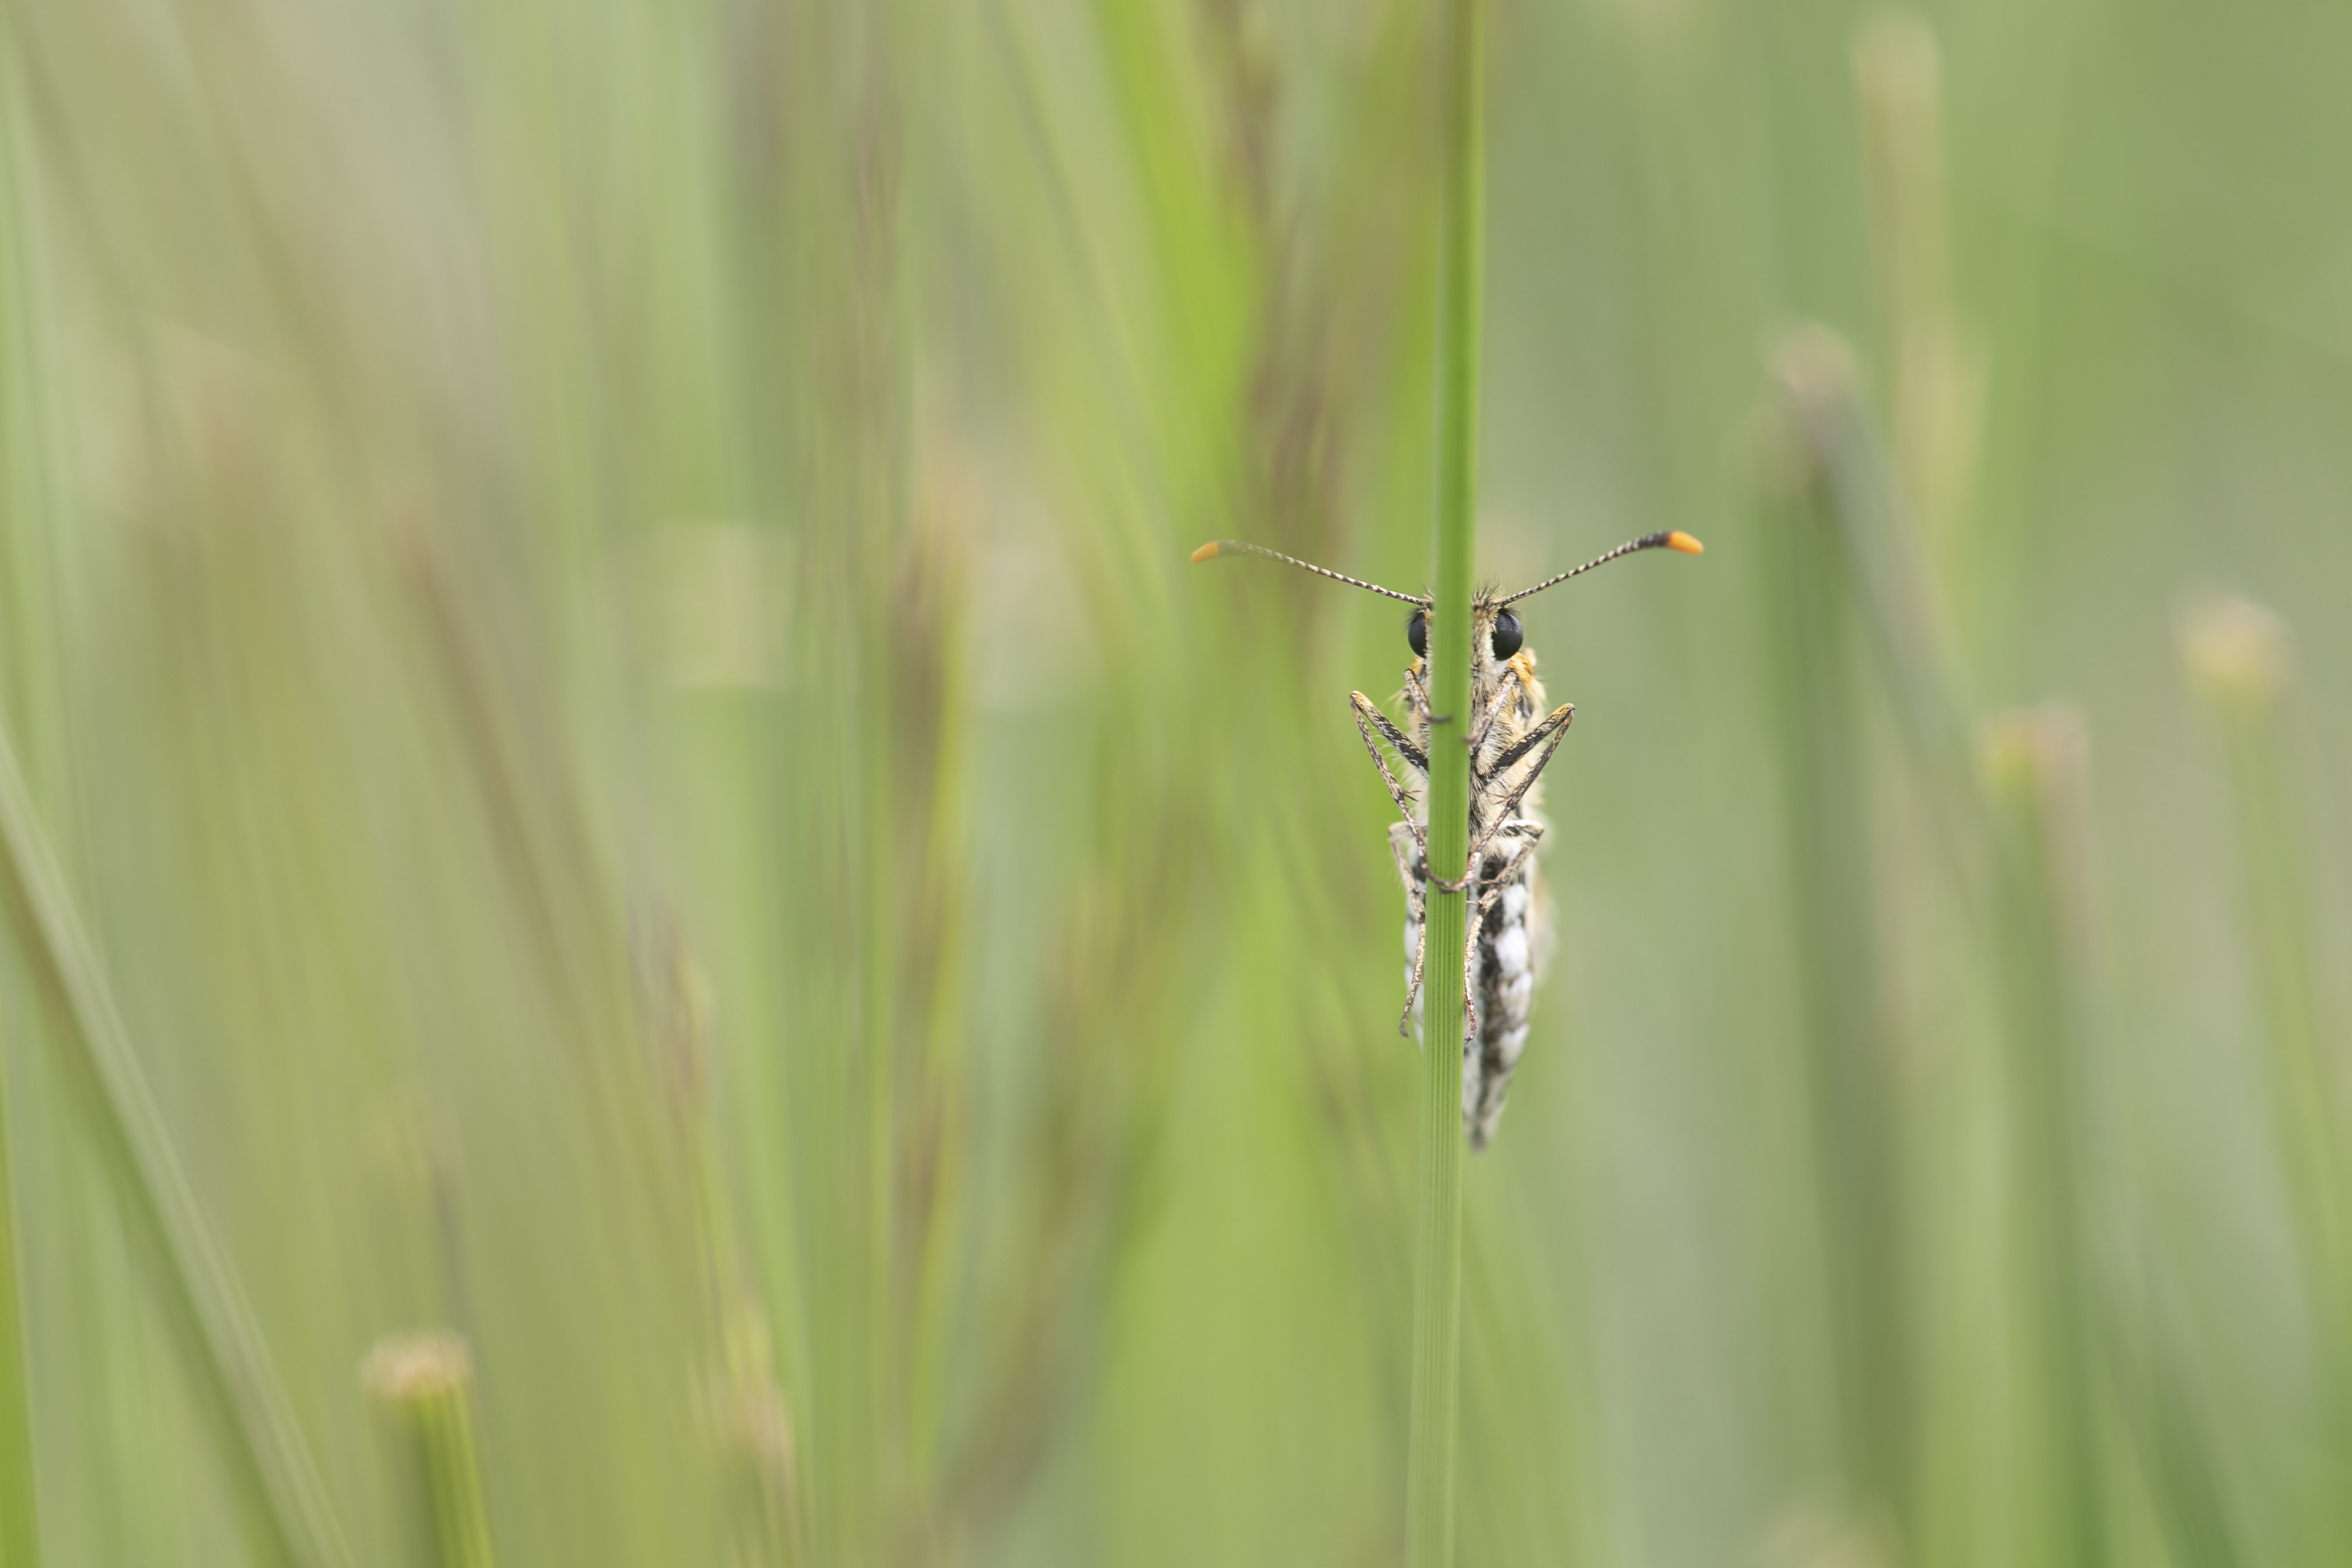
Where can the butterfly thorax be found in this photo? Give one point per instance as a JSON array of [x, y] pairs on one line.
[[1505, 694]]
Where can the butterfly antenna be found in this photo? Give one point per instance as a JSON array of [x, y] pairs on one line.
[[1216, 548], [1676, 540]]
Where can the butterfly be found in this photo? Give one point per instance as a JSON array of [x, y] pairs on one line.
[[1512, 737]]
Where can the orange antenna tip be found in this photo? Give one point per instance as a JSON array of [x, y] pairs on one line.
[[1676, 540], [1206, 552]]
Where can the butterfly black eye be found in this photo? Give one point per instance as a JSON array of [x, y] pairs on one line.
[[1507, 634], [1416, 631]]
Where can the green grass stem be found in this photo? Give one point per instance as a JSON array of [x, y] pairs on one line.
[[20, 1534], [426, 1382], [1437, 1250], [1848, 553], [205, 1295], [1838, 443], [2036, 771], [1836, 925], [2237, 657], [1934, 369], [2169, 1422]]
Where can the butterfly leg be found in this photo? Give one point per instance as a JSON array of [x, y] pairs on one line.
[[1404, 845], [1529, 834], [1411, 867], [1371, 721], [1553, 730], [1416, 703], [1503, 690], [1559, 719], [1412, 986], [1473, 917]]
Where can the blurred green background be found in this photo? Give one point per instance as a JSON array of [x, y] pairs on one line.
[[638, 871]]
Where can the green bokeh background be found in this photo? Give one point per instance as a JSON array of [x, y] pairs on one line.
[[594, 611]]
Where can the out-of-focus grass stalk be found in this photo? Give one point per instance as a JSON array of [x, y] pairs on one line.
[[1825, 786], [931, 774], [205, 1296], [2237, 657], [2036, 775], [1935, 370], [20, 1534], [2173, 1430], [743, 1403], [846, 328], [2018, 859], [1434, 1438], [426, 1383], [1815, 373], [1147, 395]]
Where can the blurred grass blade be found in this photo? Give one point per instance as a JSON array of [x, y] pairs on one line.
[[426, 1383], [2237, 657], [1814, 371], [1935, 379], [20, 1532], [841, 326], [1434, 1439], [20, 1535], [744, 1404], [1859, 1182], [205, 1294], [2174, 1432], [2036, 770]]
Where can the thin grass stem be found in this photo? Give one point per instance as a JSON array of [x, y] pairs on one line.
[[1836, 925], [1935, 369], [205, 1295], [2238, 659], [1839, 444], [2169, 1422], [1434, 1437], [20, 1534], [2036, 774], [426, 1383]]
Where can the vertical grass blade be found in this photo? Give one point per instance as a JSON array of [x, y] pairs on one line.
[[743, 1403], [20, 1534], [426, 1383], [206, 1298], [2036, 773], [2170, 1425], [1437, 1249], [2237, 657], [1935, 379], [1837, 442], [841, 478], [1816, 667]]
